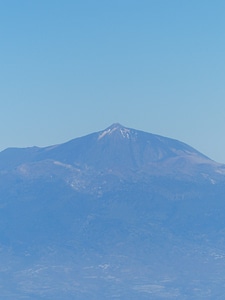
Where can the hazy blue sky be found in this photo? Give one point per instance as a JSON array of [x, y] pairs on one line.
[[69, 68]]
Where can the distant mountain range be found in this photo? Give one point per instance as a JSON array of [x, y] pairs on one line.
[[116, 214]]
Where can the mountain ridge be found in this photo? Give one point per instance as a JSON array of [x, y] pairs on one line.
[[115, 131], [117, 152]]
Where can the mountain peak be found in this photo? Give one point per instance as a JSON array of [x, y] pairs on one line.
[[115, 128], [115, 125]]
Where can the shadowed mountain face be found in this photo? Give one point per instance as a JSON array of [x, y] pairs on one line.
[[117, 214]]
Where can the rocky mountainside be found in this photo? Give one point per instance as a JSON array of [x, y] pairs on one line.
[[116, 214]]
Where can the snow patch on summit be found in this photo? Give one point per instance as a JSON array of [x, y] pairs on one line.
[[108, 131], [125, 132]]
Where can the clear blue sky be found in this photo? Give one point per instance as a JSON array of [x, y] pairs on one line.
[[71, 67]]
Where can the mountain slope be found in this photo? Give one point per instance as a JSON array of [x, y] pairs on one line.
[[117, 214]]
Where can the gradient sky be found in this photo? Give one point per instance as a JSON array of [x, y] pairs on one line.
[[72, 67]]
